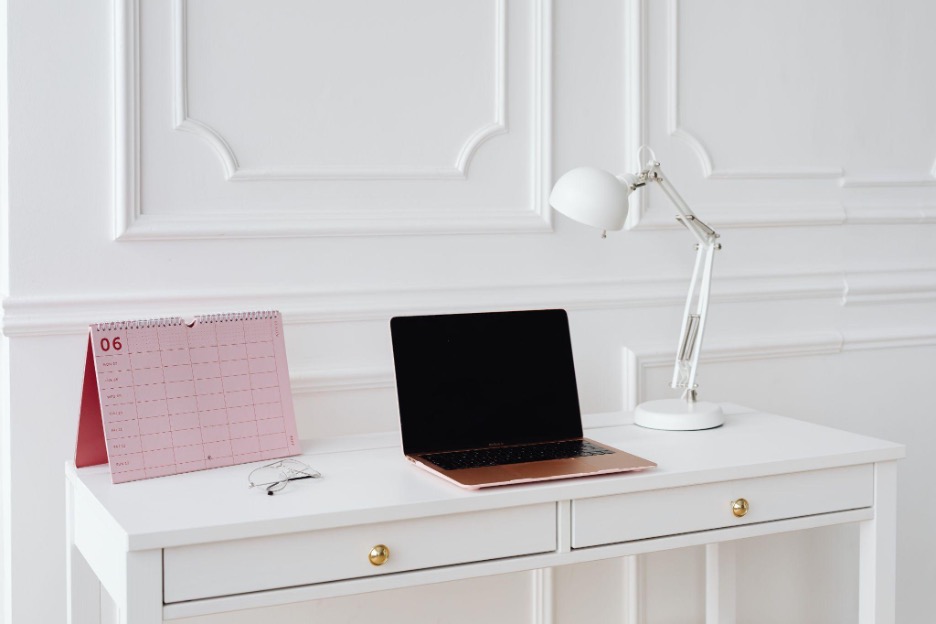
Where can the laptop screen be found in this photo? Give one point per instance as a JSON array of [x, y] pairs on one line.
[[477, 380]]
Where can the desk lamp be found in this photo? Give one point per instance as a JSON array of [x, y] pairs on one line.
[[598, 198]]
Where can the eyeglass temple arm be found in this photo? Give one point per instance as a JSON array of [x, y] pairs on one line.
[[270, 488]]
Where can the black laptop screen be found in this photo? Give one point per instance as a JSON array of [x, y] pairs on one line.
[[476, 380]]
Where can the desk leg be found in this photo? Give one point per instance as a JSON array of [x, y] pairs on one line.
[[634, 589], [878, 560], [544, 611], [720, 564], [82, 589], [141, 602]]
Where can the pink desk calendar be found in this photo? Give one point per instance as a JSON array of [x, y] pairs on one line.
[[163, 397]]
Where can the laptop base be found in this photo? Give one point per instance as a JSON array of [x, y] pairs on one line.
[[547, 470]]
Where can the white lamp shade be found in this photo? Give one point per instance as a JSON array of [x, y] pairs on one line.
[[593, 196]]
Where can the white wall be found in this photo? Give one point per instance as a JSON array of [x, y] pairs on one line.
[[345, 162]]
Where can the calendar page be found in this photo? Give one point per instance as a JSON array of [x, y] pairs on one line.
[[176, 397]]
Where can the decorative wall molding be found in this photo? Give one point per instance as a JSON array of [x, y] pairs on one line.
[[70, 315], [863, 339], [723, 215], [703, 154], [541, 153], [709, 170], [49, 316], [676, 130], [635, 40], [636, 36], [235, 172], [890, 181], [329, 222], [741, 349], [890, 215], [890, 287], [636, 361], [777, 173], [131, 223], [752, 215], [886, 182], [307, 382], [126, 115]]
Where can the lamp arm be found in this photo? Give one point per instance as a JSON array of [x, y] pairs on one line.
[[690, 345], [703, 233], [693, 325], [684, 367]]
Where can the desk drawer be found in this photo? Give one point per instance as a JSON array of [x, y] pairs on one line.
[[239, 566], [628, 517]]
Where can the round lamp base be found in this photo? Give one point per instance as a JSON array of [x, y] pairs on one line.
[[678, 415]]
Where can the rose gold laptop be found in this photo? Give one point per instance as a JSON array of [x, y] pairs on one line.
[[490, 399]]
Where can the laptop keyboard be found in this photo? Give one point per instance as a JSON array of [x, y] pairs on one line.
[[499, 456]]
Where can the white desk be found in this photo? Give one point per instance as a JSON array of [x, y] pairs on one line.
[[203, 543]]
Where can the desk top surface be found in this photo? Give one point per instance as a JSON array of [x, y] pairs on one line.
[[366, 479]]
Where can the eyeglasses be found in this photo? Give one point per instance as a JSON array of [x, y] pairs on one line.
[[276, 476]]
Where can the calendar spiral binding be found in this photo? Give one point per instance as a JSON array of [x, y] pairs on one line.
[[141, 324], [237, 316], [178, 320]]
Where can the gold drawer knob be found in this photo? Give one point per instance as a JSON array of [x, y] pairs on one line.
[[740, 507], [379, 555]]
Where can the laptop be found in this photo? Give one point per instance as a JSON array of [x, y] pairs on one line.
[[491, 399]]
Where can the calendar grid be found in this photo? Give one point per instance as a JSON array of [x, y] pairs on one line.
[[176, 397]]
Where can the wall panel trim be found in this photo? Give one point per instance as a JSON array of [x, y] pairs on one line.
[[888, 338], [886, 182], [307, 382], [637, 360], [330, 222], [126, 115], [130, 223], [753, 215], [893, 214], [890, 287], [891, 181], [635, 82], [676, 130], [71, 314], [235, 172]]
